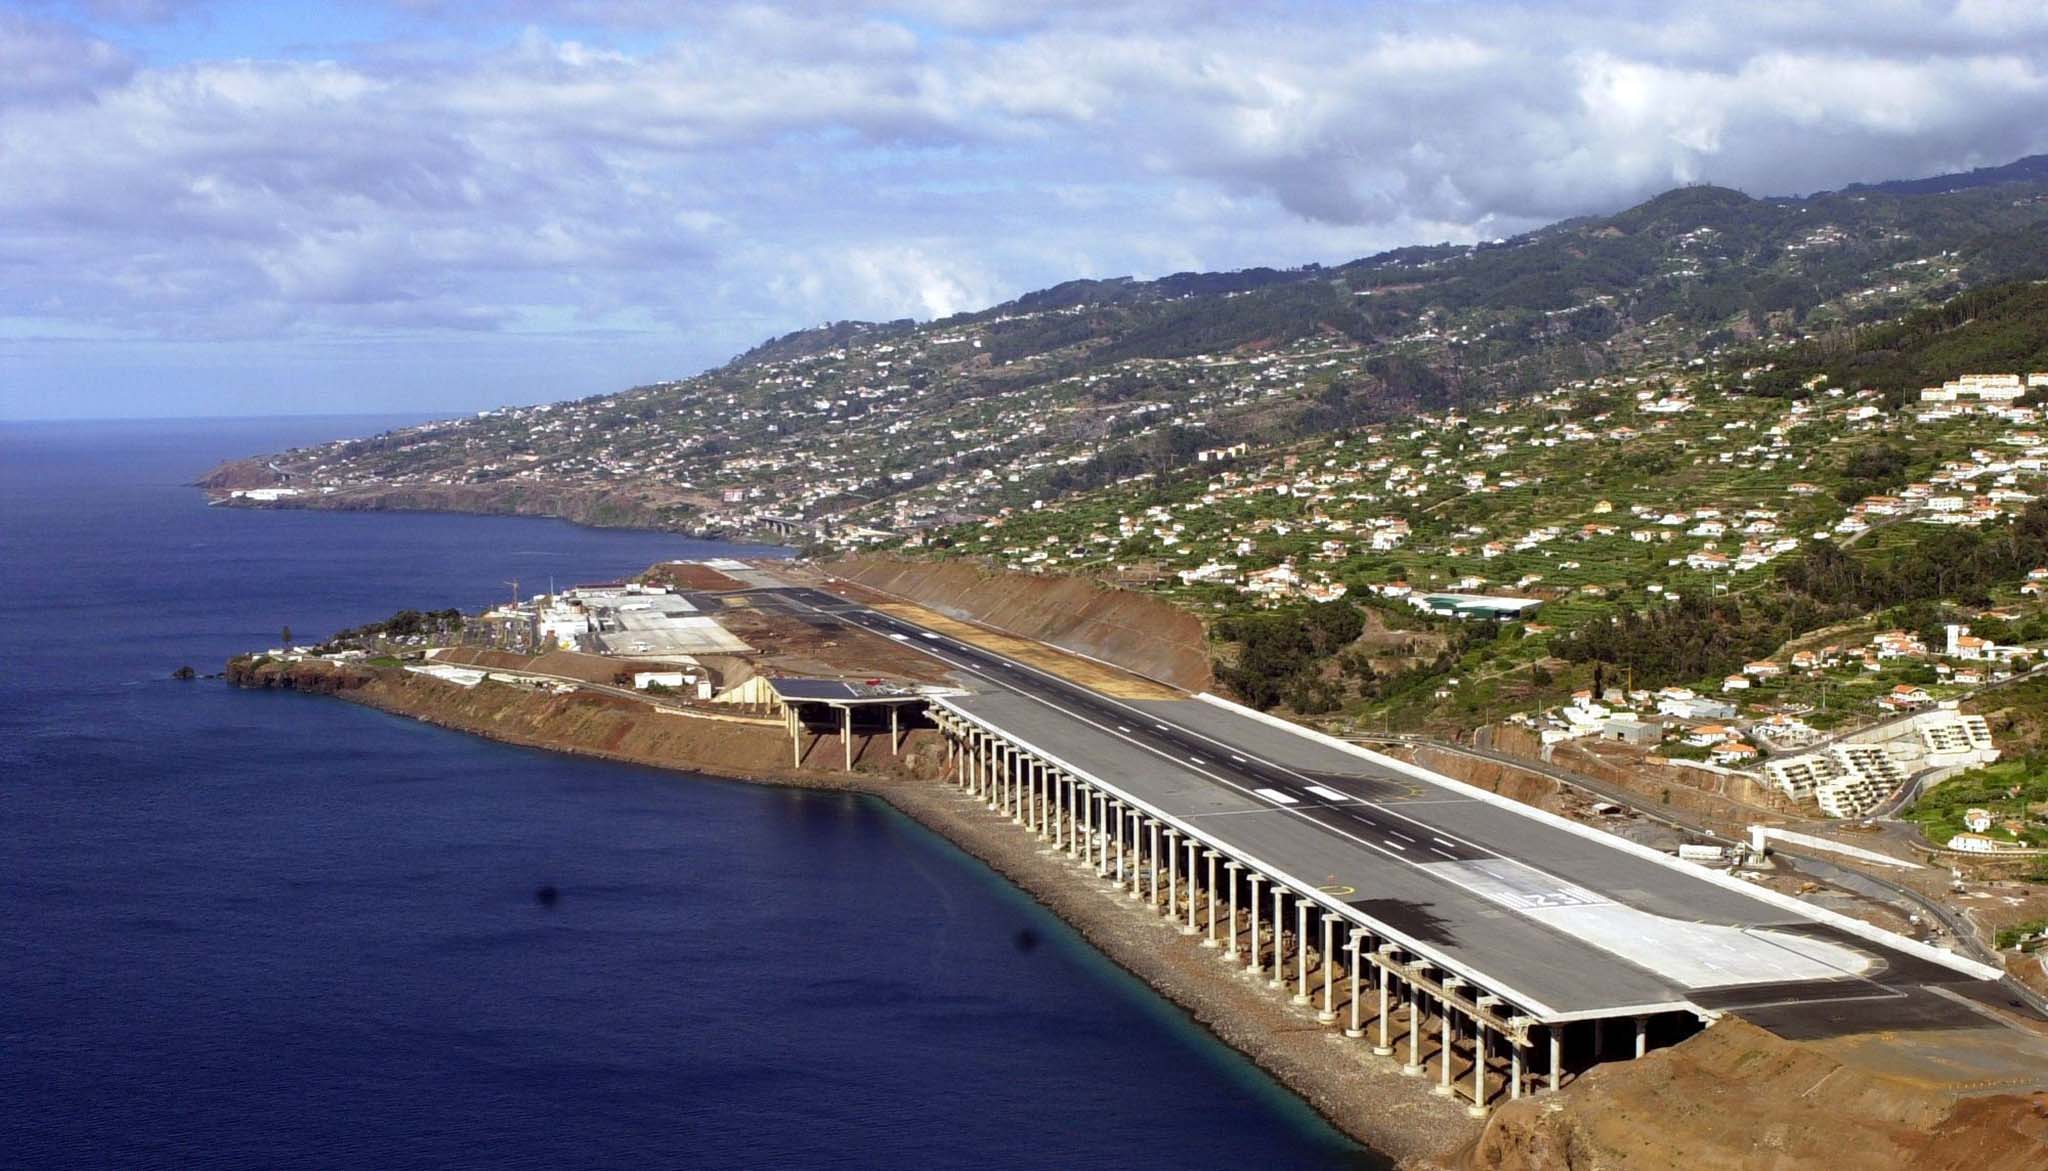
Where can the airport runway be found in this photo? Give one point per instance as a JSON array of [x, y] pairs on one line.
[[1570, 924]]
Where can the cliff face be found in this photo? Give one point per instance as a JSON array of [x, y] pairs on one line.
[[237, 474], [1135, 631], [314, 675], [1738, 1098]]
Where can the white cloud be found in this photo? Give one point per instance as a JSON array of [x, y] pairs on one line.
[[745, 168]]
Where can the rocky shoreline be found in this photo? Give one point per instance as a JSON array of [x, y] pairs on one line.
[[1362, 1096]]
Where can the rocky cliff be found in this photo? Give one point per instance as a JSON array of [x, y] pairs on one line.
[[1738, 1098]]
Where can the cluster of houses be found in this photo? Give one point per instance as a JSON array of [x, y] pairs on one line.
[[1976, 837]]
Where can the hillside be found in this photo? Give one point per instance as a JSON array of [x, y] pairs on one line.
[[857, 429]]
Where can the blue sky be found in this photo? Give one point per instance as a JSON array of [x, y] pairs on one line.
[[235, 207]]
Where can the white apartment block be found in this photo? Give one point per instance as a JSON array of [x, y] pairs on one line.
[[1848, 780], [1845, 780]]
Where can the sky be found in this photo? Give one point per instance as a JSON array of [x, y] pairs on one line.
[[225, 207]]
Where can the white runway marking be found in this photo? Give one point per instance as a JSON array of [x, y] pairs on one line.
[[1327, 794], [1276, 796]]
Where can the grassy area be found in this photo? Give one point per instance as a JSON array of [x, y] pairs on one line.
[[2014, 791], [2013, 935]]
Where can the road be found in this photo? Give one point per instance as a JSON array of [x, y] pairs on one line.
[[1565, 921]]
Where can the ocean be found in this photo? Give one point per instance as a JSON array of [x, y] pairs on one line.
[[255, 929]]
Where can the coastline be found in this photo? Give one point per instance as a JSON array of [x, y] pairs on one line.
[[596, 509], [1365, 1098]]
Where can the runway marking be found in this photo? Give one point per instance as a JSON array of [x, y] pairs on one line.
[[1328, 794], [1398, 846], [1442, 842], [1402, 836], [1239, 759], [1445, 853], [1195, 760], [1276, 796]]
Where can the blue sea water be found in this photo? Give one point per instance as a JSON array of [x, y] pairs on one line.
[[249, 929]]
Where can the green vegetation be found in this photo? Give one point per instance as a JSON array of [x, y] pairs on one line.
[[2019, 933], [2014, 791], [2003, 327], [405, 624]]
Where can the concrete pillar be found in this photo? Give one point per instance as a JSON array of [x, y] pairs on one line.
[[1213, 895], [846, 730], [1515, 1046], [1329, 1012], [1101, 813], [895, 732], [1478, 1107], [1013, 772], [1414, 1066], [1088, 795], [992, 791], [1084, 803], [1301, 950], [1122, 833], [1152, 863], [1189, 928], [1386, 1046], [1357, 966], [1442, 1089], [1279, 979], [1642, 1035], [1599, 1039], [1256, 962], [1556, 1032], [1063, 832], [1172, 873]]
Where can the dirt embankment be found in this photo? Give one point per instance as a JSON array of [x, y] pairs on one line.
[[1132, 630], [1510, 782], [1724, 800], [615, 728], [1737, 1098]]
